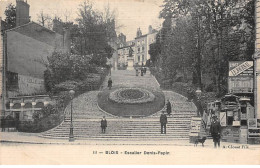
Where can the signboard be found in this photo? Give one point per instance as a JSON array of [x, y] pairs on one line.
[[236, 123], [230, 113], [223, 119], [241, 68], [252, 123], [240, 78], [195, 126]]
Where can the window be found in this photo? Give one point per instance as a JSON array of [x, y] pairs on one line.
[[142, 58], [138, 58], [230, 120], [243, 122], [138, 49], [143, 48]]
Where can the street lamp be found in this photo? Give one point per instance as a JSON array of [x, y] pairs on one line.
[[71, 136], [198, 94]]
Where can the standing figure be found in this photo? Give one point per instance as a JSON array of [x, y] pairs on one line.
[[142, 72], [168, 107], [103, 124], [215, 130], [163, 121], [109, 83]]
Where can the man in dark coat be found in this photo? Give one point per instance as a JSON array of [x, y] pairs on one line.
[[109, 83], [103, 124], [168, 107], [163, 121], [142, 72], [215, 130]]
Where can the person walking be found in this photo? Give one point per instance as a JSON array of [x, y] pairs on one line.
[[168, 107], [109, 83], [163, 121], [103, 124], [215, 130]]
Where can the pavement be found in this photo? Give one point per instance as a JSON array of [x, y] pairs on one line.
[[33, 138]]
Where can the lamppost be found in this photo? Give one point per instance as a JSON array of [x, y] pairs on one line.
[[198, 94], [71, 136], [110, 67]]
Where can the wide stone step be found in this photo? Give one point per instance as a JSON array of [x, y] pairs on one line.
[[121, 133], [120, 136]]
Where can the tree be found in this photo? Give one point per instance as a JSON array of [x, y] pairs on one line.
[[44, 19], [95, 31], [65, 66], [10, 13], [218, 31], [248, 14]]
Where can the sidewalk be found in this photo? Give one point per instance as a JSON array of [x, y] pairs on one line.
[[32, 138]]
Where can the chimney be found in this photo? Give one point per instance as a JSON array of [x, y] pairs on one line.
[[150, 30], [139, 32], [58, 26], [22, 12], [67, 40]]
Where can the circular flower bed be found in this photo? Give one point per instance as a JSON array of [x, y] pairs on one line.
[[131, 96]]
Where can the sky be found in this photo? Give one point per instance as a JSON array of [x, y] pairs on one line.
[[131, 14]]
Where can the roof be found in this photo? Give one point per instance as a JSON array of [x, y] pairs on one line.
[[141, 36], [125, 47], [29, 24], [154, 31]]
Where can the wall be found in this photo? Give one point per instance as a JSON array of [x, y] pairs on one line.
[[29, 85], [1, 61], [151, 38], [26, 55], [27, 51], [257, 60]]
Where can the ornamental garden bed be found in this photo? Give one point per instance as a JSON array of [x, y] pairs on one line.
[[135, 102]]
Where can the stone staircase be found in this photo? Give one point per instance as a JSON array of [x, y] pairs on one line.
[[122, 129], [87, 123], [87, 116]]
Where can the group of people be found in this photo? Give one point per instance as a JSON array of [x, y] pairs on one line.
[[163, 117], [215, 129], [142, 69]]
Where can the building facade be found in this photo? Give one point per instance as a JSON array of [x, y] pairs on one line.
[[139, 47], [257, 61], [125, 52], [24, 59]]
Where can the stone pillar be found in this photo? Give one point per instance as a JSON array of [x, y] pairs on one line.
[[22, 111], [11, 107], [257, 60], [130, 65], [33, 106]]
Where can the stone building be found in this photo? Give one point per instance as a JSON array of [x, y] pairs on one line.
[[25, 51], [140, 47], [256, 132], [257, 61], [27, 47]]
